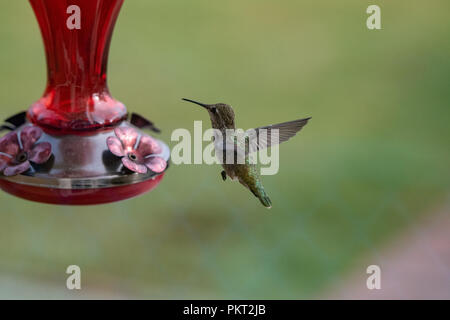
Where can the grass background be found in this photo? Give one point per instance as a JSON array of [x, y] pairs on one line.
[[372, 160]]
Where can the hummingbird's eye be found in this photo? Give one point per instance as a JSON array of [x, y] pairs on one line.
[[214, 110]]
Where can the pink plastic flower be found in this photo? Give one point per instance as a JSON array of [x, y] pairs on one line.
[[17, 154], [138, 152]]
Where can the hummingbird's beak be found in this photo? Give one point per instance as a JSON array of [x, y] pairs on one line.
[[199, 103]]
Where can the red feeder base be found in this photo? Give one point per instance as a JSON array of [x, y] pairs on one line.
[[79, 197]]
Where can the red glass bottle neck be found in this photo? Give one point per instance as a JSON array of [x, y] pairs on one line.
[[77, 36]]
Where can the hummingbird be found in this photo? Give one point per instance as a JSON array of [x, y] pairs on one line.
[[223, 118]]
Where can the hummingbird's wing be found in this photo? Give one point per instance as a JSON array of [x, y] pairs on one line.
[[265, 137]]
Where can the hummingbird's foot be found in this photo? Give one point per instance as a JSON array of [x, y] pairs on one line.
[[224, 175]]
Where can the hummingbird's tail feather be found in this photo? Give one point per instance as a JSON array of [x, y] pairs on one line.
[[261, 194], [265, 200]]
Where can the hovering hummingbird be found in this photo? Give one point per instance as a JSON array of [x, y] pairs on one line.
[[222, 118]]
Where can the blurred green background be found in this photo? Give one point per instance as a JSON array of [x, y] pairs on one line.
[[374, 158]]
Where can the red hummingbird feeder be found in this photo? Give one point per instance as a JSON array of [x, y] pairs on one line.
[[77, 144]]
